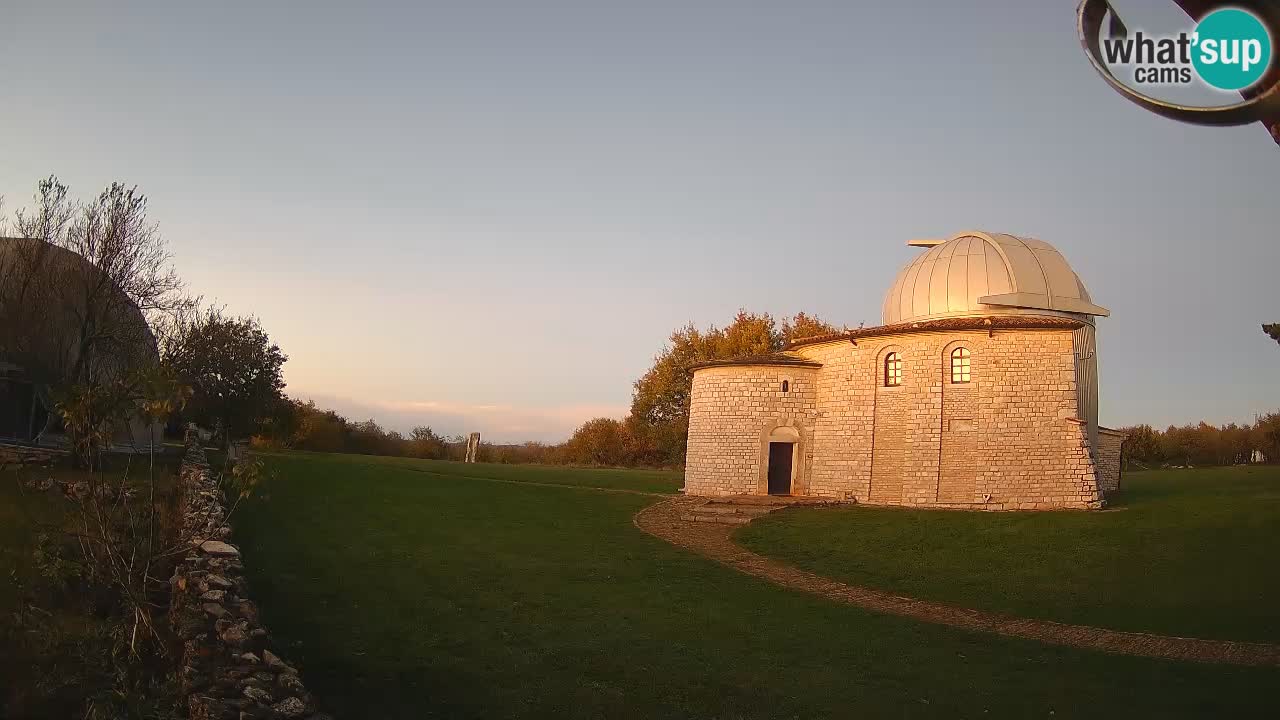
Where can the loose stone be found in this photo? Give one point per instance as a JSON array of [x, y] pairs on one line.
[[215, 610], [291, 708], [219, 548]]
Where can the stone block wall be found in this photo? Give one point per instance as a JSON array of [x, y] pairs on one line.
[[732, 412], [1007, 440], [226, 670], [891, 441], [961, 458], [1110, 458]]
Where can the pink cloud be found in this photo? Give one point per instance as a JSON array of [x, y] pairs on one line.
[[498, 423]]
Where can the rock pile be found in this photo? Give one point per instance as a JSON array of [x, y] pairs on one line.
[[226, 670]]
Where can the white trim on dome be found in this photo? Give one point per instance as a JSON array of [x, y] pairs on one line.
[[1030, 300], [925, 242]]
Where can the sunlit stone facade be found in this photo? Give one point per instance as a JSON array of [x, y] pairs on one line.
[[960, 402]]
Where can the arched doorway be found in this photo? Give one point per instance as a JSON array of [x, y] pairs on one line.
[[781, 471]]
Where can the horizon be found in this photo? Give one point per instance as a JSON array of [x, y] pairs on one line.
[[492, 221]]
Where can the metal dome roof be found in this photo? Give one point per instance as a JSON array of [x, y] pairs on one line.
[[980, 273], [42, 331]]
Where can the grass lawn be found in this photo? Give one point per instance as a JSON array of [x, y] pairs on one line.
[[411, 594], [654, 481], [1187, 552]]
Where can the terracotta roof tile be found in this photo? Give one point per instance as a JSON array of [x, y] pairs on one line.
[[780, 358]]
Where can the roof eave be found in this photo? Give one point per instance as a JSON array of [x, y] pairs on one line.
[[756, 362], [957, 324]]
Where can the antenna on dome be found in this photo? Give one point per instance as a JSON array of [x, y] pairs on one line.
[[925, 242]]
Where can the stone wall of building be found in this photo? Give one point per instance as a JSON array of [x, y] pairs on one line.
[[961, 448], [1007, 440], [1110, 458], [733, 410], [226, 670], [1002, 441]]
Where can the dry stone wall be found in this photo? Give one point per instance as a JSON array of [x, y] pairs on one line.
[[22, 455], [227, 671], [1010, 439]]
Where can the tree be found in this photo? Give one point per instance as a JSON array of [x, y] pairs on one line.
[[660, 402], [278, 428], [233, 369], [1236, 444], [1265, 436], [805, 326], [370, 438], [1142, 444], [425, 443], [318, 430], [117, 269], [602, 441]]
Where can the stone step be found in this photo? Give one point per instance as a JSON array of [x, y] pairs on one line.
[[724, 509], [768, 500], [722, 519]]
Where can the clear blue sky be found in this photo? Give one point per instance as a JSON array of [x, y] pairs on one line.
[[489, 216]]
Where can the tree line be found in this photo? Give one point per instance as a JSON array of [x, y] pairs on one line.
[[301, 425], [1204, 444], [652, 435]]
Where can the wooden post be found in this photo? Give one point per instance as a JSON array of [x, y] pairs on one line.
[[473, 444]]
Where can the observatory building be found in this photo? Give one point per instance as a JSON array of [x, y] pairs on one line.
[[979, 391], [45, 293]]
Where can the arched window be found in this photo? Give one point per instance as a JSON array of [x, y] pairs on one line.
[[786, 385], [892, 370], [960, 365]]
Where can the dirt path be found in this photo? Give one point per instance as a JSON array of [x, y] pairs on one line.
[[713, 540]]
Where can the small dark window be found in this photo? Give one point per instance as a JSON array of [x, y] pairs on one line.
[[892, 370], [960, 365], [786, 385]]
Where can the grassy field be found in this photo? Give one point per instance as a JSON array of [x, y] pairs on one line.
[[409, 591], [654, 481], [1186, 552]]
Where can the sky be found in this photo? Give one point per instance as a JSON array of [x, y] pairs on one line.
[[491, 215]]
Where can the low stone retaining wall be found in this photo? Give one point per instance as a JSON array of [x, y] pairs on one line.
[[226, 671], [22, 455]]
